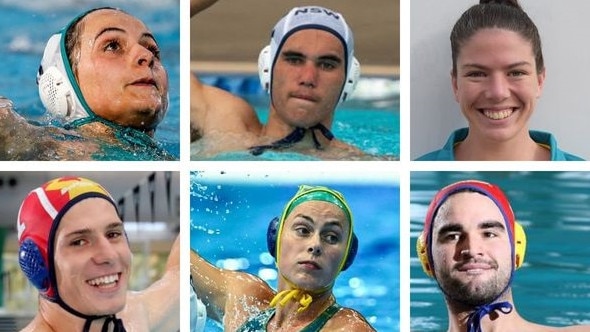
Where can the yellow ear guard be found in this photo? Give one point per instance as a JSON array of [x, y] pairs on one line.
[[423, 255], [519, 245]]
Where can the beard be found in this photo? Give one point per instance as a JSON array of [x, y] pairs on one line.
[[474, 292]]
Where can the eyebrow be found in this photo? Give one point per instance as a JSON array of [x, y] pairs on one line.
[[86, 231], [454, 227], [514, 65], [321, 57], [329, 223], [109, 29]]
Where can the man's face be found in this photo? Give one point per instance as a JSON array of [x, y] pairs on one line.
[[307, 78], [119, 70], [313, 243], [497, 84], [92, 258], [471, 249]]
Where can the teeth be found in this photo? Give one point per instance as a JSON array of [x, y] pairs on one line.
[[498, 115], [104, 281]]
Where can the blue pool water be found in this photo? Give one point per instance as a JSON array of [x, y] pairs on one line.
[[25, 27], [370, 121], [229, 221], [553, 286]]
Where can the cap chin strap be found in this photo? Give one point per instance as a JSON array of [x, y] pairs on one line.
[[117, 322], [474, 320], [294, 137], [296, 294], [299, 295]]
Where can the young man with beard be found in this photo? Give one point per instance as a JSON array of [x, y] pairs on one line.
[[471, 244]]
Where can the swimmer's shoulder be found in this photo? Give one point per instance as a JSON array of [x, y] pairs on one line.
[[578, 328], [340, 150], [246, 284], [37, 325], [346, 320]]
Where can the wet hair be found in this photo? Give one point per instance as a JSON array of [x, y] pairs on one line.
[[502, 14], [72, 37]]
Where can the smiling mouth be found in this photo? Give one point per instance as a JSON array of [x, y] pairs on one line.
[[498, 114], [107, 281]]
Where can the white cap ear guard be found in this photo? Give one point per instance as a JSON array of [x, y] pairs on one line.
[[58, 89], [311, 17]]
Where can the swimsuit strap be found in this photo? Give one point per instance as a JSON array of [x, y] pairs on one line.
[[323, 318], [294, 137], [474, 321]]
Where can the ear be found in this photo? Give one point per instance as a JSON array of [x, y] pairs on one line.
[[541, 82], [454, 85]]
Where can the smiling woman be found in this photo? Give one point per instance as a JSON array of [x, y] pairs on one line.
[[497, 76]]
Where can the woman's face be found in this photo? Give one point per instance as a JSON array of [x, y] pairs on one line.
[[497, 84], [313, 243], [118, 68]]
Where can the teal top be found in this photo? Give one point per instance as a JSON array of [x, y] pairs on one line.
[[540, 137], [258, 323]]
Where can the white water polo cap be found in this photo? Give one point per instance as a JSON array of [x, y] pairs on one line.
[[310, 17], [58, 89]]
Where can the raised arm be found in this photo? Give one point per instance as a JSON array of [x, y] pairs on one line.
[[199, 5], [214, 110], [228, 291], [160, 302], [211, 286]]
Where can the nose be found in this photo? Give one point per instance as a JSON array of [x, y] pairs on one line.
[[143, 56], [315, 247], [105, 252], [308, 74], [498, 88], [470, 247]]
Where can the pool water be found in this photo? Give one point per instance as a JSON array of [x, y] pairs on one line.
[[229, 222], [553, 286], [26, 25], [370, 122]]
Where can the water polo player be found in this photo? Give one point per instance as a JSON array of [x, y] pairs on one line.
[[105, 91], [471, 245], [308, 68], [73, 248], [312, 241]]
